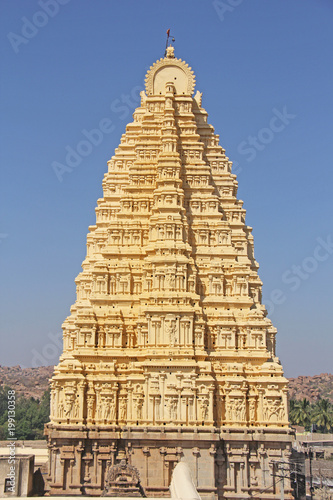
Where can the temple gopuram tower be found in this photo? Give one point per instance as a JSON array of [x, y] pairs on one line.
[[168, 353]]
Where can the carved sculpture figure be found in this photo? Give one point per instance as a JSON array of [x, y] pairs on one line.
[[252, 409], [173, 405], [123, 409], [90, 407], [170, 329], [238, 409], [203, 404]]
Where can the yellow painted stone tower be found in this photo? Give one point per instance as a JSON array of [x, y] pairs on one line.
[[168, 353]]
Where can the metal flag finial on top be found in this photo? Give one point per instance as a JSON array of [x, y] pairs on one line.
[[167, 41]]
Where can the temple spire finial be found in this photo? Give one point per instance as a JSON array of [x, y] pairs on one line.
[[169, 49]]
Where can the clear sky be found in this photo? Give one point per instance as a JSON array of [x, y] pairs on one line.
[[265, 70]]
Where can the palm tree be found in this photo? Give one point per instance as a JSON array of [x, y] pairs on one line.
[[322, 415], [300, 412], [292, 403]]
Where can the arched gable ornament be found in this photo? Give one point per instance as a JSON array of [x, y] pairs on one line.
[[166, 70]]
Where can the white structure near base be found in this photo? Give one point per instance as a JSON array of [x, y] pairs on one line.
[[182, 485]]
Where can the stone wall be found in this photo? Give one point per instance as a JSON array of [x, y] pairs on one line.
[[16, 476]]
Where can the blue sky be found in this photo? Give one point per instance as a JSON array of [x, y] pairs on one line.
[[70, 66]]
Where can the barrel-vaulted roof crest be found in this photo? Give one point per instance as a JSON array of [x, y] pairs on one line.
[[169, 69]]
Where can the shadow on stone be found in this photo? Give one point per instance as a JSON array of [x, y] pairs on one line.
[[38, 483]]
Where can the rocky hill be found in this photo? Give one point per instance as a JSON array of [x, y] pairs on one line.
[[26, 381], [34, 381], [312, 388]]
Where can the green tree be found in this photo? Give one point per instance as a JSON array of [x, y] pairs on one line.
[[44, 408], [3, 405], [322, 415], [30, 415], [300, 413]]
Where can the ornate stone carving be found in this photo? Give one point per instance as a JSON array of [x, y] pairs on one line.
[[159, 74], [123, 480], [203, 408], [274, 410]]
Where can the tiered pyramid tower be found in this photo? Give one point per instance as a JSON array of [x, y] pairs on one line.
[[168, 354]]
